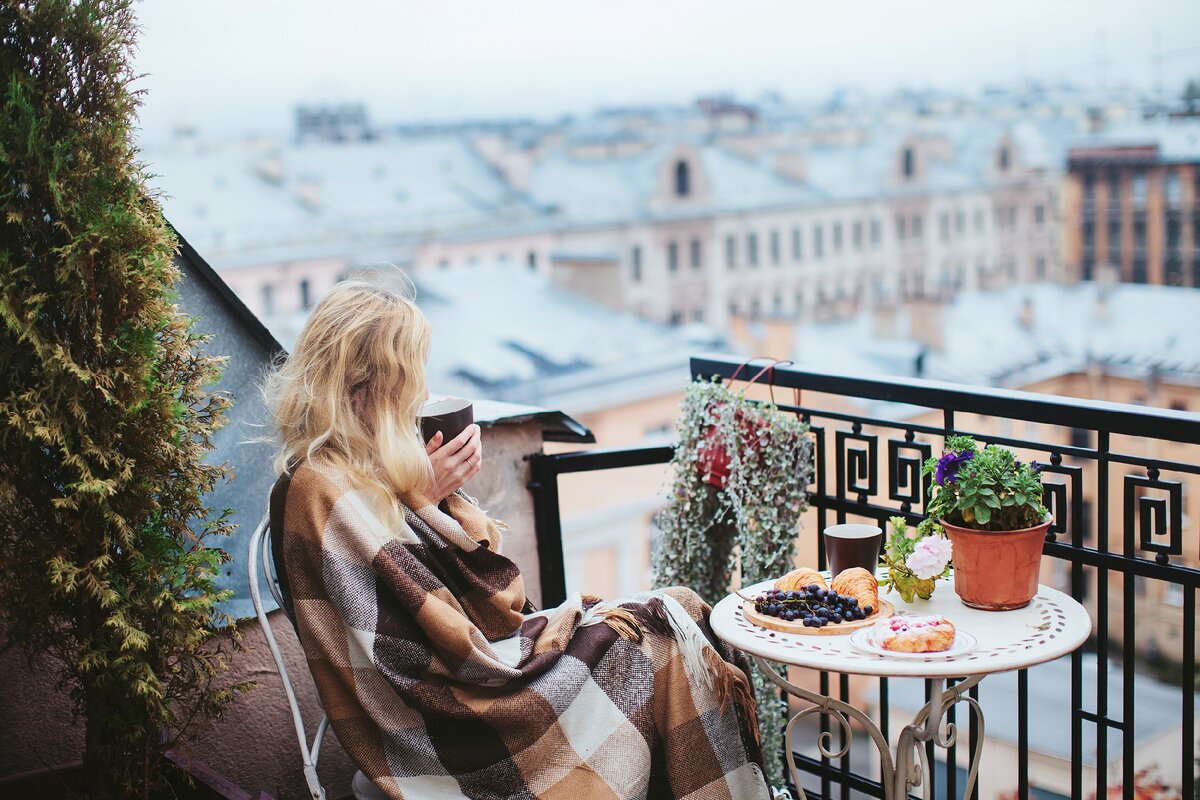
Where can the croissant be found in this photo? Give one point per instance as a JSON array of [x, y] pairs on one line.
[[799, 578], [917, 634], [860, 584]]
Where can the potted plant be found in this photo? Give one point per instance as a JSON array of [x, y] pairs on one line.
[[990, 505]]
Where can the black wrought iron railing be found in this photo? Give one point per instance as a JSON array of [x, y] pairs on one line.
[[1118, 480]]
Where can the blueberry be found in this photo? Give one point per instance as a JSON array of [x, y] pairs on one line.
[[853, 601], [835, 617]]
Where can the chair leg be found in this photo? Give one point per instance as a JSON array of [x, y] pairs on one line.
[[314, 783]]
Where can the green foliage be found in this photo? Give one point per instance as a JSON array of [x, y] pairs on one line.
[[987, 489], [104, 419], [897, 549], [748, 527]]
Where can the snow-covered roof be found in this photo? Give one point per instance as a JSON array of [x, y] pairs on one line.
[[986, 341], [1178, 140], [503, 332], [261, 199]]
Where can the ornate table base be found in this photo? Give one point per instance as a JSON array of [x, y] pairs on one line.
[[909, 766]]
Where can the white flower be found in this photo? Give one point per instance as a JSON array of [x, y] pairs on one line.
[[929, 557]]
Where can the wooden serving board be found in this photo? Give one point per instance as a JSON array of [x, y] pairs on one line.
[[884, 611]]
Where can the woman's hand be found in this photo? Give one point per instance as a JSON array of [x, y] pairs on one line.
[[454, 463]]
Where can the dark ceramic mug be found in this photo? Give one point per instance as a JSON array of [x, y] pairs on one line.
[[450, 416]]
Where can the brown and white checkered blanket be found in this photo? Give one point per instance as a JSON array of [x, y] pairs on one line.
[[441, 682]]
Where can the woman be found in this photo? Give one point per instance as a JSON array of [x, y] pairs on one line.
[[439, 678]]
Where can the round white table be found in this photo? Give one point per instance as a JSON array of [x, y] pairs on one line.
[[1052, 625]]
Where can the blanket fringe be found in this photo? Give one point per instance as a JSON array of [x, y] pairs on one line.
[[652, 616], [623, 622], [730, 686]]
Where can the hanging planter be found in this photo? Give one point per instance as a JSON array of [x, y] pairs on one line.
[[715, 452], [741, 472]]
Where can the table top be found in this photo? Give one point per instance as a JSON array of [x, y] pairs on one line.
[[1052, 625]]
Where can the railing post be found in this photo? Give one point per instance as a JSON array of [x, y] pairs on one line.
[[543, 484]]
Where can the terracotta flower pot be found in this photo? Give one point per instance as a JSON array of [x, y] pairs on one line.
[[996, 570]]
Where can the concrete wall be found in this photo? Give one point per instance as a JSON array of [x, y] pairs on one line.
[[254, 744]]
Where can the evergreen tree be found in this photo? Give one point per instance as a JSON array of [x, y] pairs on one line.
[[104, 418]]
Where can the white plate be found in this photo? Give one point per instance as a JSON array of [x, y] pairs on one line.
[[963, 643]]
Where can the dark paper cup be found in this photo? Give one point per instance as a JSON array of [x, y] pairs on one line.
[[852, 545], [451, 417]]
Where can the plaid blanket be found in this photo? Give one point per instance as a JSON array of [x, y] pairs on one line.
[[442, 682]]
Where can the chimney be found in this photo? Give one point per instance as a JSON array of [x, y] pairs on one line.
[[793, 166], [1027, 313], [883, 321], [925, 319]]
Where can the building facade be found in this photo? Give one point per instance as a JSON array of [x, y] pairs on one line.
[[1132, 206]]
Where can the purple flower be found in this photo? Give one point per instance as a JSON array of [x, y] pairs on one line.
[[1035, 466], [949, 464]]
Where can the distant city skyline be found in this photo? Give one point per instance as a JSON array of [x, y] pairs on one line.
[[236, 68]]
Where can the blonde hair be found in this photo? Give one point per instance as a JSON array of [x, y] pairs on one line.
[[349, 393]]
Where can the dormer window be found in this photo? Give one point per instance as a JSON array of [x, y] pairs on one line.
[[1002, 159], [683, 179], [910, 165]]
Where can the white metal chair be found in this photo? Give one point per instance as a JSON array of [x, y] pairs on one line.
[[260, 546]]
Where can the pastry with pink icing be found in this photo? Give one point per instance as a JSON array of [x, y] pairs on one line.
[[931, 634]]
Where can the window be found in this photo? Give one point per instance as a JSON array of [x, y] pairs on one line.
[[837, 237], [683, 179], [1114, 241], [1114, 188], [876, 232], [635, 263], [305, 294], [979, 220], [673, 256], [1089, 187], [733, 308], [1139, 190], [857, 234], [777, 303], [916, 226], [752, 249], [1041, 267], [755, 308], [775, 248], [1139, 234], [944, 226], [1039, 214], [797, 244], [531, 259], [901, 227], [1171, 189], [1089, 234], [697, 254], [444, 263], [676, 317], [268, 299], [730, 253], [697, 314], [909, 162], [818, 241], [1002, 159], [960, 222]]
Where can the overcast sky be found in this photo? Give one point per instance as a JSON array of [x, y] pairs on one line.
[[235, 66]]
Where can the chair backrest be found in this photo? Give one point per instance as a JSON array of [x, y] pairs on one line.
[[266, 543]]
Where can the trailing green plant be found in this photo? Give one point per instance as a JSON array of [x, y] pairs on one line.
[[104, 418], [988, 489], [915, 561], [709, 534]]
